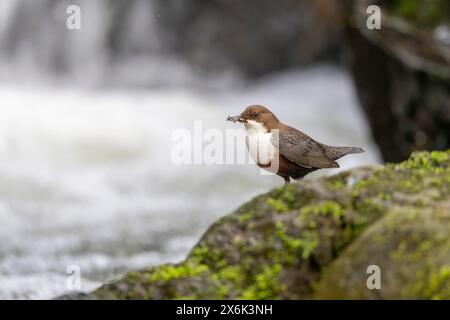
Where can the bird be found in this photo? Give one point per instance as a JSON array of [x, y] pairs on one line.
[[284, 150]]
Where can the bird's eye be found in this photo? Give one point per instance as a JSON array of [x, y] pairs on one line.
[[255, 114]]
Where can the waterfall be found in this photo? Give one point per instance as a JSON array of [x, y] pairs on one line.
[[119, 42]]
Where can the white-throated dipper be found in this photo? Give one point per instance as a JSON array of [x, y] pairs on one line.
[[284, 150]]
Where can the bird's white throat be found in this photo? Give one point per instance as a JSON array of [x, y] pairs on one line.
[[254, 127], [259, 142]]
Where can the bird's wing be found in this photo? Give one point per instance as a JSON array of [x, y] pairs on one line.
[[302, 149]]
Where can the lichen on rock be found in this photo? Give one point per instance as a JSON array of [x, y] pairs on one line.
[[316, 238]]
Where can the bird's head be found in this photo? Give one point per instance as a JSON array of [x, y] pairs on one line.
[[256, 114]]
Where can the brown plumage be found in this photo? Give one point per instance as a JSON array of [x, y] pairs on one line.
[[298, 154]]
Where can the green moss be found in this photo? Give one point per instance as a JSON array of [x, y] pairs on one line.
[[383, 196], [403, 253], [286, 192], [422, 14], [297, 246], [424, 161], [336, 183], [266, 284], [322, 208], [229, 273], [439, 284], [283, 199], [439, 157], [278, 205], [428, 284], [227, 278], [245, 217], [166, 273], [204, 254], [134, 276]]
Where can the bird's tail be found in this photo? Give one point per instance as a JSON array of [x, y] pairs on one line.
[[338, 152]]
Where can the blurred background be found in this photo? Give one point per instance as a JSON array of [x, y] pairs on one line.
[[86, 116]]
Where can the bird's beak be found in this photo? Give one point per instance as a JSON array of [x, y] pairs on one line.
[[237, 118]]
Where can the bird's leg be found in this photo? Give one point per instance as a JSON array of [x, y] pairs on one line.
[[287, 180]]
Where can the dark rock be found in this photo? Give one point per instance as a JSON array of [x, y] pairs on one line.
[[402, 76], [76, 296]]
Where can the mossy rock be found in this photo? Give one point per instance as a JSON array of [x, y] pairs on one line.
[[422, 14], [316, 238]]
